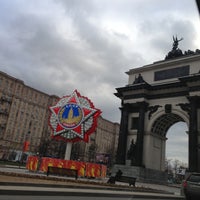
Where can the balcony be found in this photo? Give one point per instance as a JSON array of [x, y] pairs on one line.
[[2, 126], [6, 99], [3, 112]]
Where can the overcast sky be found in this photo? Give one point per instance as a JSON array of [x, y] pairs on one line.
[[57, 46]]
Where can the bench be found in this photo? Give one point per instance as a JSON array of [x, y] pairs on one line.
[[62, 171], [124, 179], [127, 179]]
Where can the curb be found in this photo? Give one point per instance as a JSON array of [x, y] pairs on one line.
[[102, 189], [74, 184], [86, 194]]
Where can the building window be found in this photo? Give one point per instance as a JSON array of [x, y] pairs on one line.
[[171, 73], [134, 123]]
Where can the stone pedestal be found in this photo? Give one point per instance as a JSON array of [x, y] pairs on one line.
[[142, 174], [68, 151], [128, 162]]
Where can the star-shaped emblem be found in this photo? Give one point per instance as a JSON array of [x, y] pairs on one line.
[[73, 118]]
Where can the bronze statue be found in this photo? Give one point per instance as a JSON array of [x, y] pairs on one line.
[[139, 79], [132, 150], [175, 44], [175, 52]]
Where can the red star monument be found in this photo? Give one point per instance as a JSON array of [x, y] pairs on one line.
[[73, 118]]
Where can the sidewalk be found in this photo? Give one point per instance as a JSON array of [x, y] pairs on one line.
[[21, 181]]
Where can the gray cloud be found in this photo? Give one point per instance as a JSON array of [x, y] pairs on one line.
[[57, 46]]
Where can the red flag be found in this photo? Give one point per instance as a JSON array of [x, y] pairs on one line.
[[26, 146]]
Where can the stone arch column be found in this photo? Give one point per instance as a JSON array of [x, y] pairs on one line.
[[193, 135], [121, 151], [140, 134]]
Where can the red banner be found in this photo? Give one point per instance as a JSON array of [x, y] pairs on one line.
[[84, 169], [103, 171], [32, 163], [93, 170]]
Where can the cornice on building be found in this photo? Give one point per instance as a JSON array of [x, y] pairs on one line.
[[11, 77], [164, 63], [101, 118], [29, 87]]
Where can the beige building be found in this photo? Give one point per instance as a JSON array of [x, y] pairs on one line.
[[24, 113], [102, 144]]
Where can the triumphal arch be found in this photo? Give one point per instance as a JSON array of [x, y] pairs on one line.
[[156, 97]]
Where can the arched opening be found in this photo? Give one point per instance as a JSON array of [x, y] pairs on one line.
[[177, 142], [171, 130], [177, 152], [164, 122]]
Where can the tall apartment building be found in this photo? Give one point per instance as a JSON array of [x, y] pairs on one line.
[[24, 113]]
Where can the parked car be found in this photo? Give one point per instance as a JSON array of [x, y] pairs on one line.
[[191, 186]]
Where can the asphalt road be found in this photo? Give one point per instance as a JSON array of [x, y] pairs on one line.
[[7, 197]]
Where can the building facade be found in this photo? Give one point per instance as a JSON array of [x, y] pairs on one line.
[[24, 113], [102, 145], [157, 96]]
